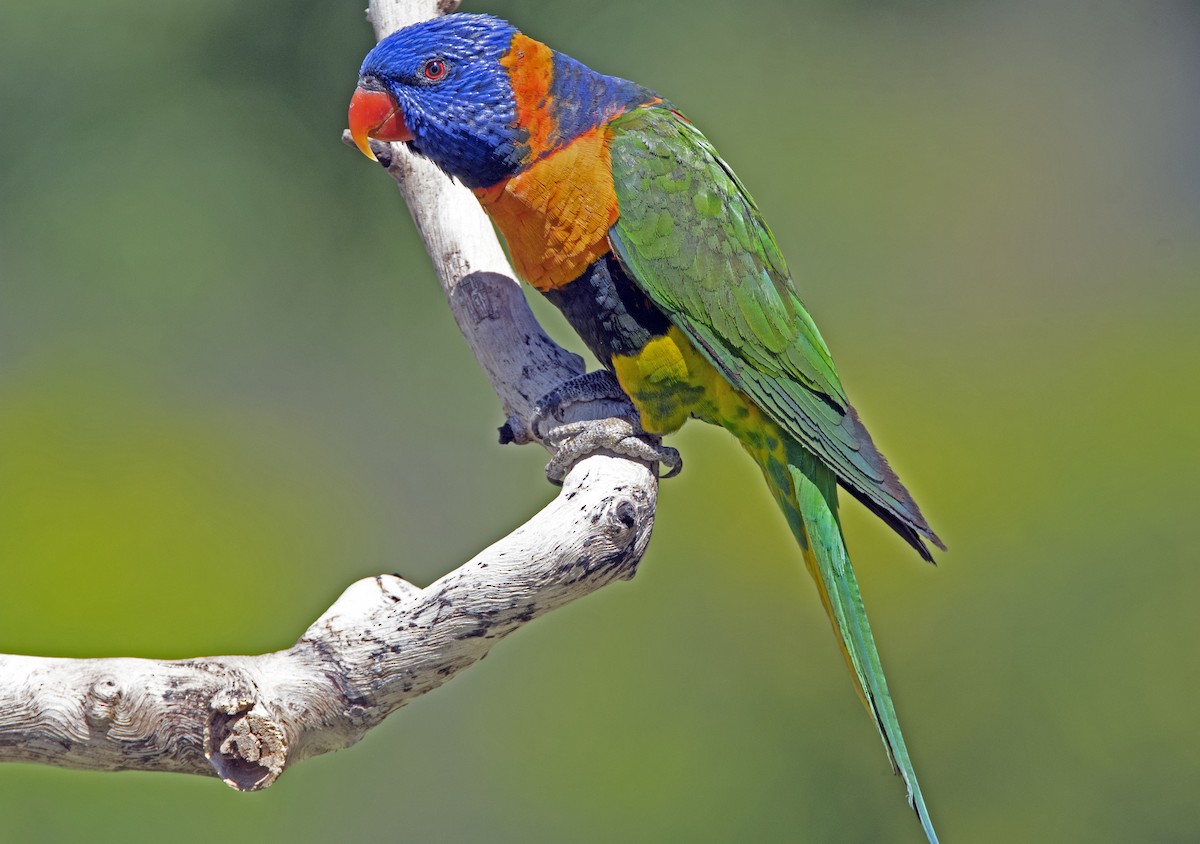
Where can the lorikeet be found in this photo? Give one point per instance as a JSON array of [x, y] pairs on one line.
[[621, 212]]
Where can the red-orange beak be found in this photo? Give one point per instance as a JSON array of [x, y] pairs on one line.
[[375, 114]]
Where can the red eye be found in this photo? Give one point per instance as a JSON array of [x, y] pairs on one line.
[[434, 70]]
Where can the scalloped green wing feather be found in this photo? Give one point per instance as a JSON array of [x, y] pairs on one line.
[[693, 240]]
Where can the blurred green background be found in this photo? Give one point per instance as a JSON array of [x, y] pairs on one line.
[[224, 357]]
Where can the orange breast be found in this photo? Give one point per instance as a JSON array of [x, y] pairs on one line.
[[556, 215]]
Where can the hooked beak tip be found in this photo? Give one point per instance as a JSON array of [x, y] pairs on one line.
[[363, 142], [375, 114]]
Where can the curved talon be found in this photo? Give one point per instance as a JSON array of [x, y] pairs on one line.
[[672, 459], [541, 413]]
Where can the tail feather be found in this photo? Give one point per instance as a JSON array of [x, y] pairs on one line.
[[810, 506]]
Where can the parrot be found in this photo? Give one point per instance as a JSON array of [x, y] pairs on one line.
[[621, 212]]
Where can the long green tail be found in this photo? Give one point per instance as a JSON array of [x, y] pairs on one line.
[[809, 501]]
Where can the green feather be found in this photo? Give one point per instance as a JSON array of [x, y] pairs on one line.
[[708, 260], [816, 495], [693, 241]]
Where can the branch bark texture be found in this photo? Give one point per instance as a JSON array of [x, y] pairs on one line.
[[385, 641]]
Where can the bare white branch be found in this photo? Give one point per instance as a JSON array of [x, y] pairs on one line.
[[385, 641]]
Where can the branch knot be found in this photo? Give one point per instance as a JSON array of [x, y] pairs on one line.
[[245, 746]]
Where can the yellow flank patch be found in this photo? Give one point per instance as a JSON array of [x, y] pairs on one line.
[[555, 216], [669, 381], [662, 360], [661, 379]]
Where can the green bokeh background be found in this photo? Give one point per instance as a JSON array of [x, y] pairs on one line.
[[229, 386]]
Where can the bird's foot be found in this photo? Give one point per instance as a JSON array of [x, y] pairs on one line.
[[575, 440]]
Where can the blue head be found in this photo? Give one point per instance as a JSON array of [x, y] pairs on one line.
[[450, 96], [479, 98]]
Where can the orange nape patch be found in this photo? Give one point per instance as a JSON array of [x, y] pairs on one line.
[[556, 215], [530, 66]]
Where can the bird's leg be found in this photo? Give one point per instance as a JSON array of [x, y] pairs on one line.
[[573, 441], [599, 385]]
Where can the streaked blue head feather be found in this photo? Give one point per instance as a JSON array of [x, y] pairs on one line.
[[467, 120]]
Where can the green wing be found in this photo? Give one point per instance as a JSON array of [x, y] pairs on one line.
[[693, 240]]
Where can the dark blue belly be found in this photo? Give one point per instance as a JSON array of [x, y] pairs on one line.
[[608, 311]]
